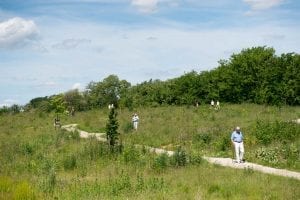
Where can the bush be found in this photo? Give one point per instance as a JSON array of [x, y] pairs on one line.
[[27, 149], [161, 162], [223, 143], [195, 159], [266, 132], [267, 155], [128, 127], [131, 155], [179, 158], [203, 137], [69, 162]]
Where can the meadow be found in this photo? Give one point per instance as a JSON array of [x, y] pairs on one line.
[[39, 162]]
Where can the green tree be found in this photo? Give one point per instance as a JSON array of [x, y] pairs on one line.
[[108, 91], [112, 133], [75, 99], [57, 103]]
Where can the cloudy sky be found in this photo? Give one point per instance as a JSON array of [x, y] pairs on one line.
[[52, 46]]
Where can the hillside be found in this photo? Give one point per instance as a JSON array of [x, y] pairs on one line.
[[39, 162]]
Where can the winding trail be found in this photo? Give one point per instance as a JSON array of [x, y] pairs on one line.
[[84, 134], [227, 162]]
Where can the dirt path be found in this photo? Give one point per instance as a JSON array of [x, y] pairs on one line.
[[84, 134], [227, 162]]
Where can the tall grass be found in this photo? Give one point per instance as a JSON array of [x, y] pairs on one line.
[[39, 162]]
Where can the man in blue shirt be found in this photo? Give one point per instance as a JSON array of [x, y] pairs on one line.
[[237, 140]]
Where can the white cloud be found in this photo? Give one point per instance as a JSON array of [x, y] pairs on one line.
[[71, 43], [16, 31], [263, 4], [145, 6], [76, 86]]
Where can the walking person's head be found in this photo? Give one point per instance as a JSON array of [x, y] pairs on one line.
[[238, 129]]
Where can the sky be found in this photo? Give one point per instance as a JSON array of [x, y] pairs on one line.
[[52, 46]]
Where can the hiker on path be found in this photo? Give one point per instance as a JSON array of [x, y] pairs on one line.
[[135, 121], [57, 122], [218, 105], [110, 106], [212, 104], [237, 141]]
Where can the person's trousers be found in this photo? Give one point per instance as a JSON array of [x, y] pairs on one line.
[[239, 151], [135, 125]]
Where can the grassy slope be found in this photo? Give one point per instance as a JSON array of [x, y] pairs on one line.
[[37, 159]]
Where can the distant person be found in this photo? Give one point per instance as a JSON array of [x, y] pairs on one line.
[[57, 123], [135, 121], [110, 106], [72, 111], [237, 141], [218, 105], [212, 104]]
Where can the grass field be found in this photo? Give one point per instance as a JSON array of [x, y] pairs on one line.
[[39, 162]]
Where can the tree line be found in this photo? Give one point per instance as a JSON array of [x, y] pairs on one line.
[[255, 75]]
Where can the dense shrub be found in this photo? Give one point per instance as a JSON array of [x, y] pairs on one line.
[[161, 162], [131, 154], [266, 132], [179, 158], [70, 162], [203, 137]]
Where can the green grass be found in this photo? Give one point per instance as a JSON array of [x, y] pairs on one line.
[[39, 162]]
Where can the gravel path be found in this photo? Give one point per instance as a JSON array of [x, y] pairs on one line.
[[227, 162], [84, 134]]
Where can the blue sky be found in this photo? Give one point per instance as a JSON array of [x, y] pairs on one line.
[[50, 47]]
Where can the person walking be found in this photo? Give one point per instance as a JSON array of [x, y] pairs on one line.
[[212, 104], [135, 121], [218, 105], [237, 141]]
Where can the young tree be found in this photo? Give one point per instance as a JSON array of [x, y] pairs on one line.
[[112, 129]]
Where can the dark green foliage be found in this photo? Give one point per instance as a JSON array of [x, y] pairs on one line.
[[112, 129], [128, 127], [223, 143], [107, 92], [70, 162], [131, 155], [27, 148], [195, 159], [75, 101], [161, 162], [266, 132], [179, 157], [4, 110], [254, 75], [203, 137]]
